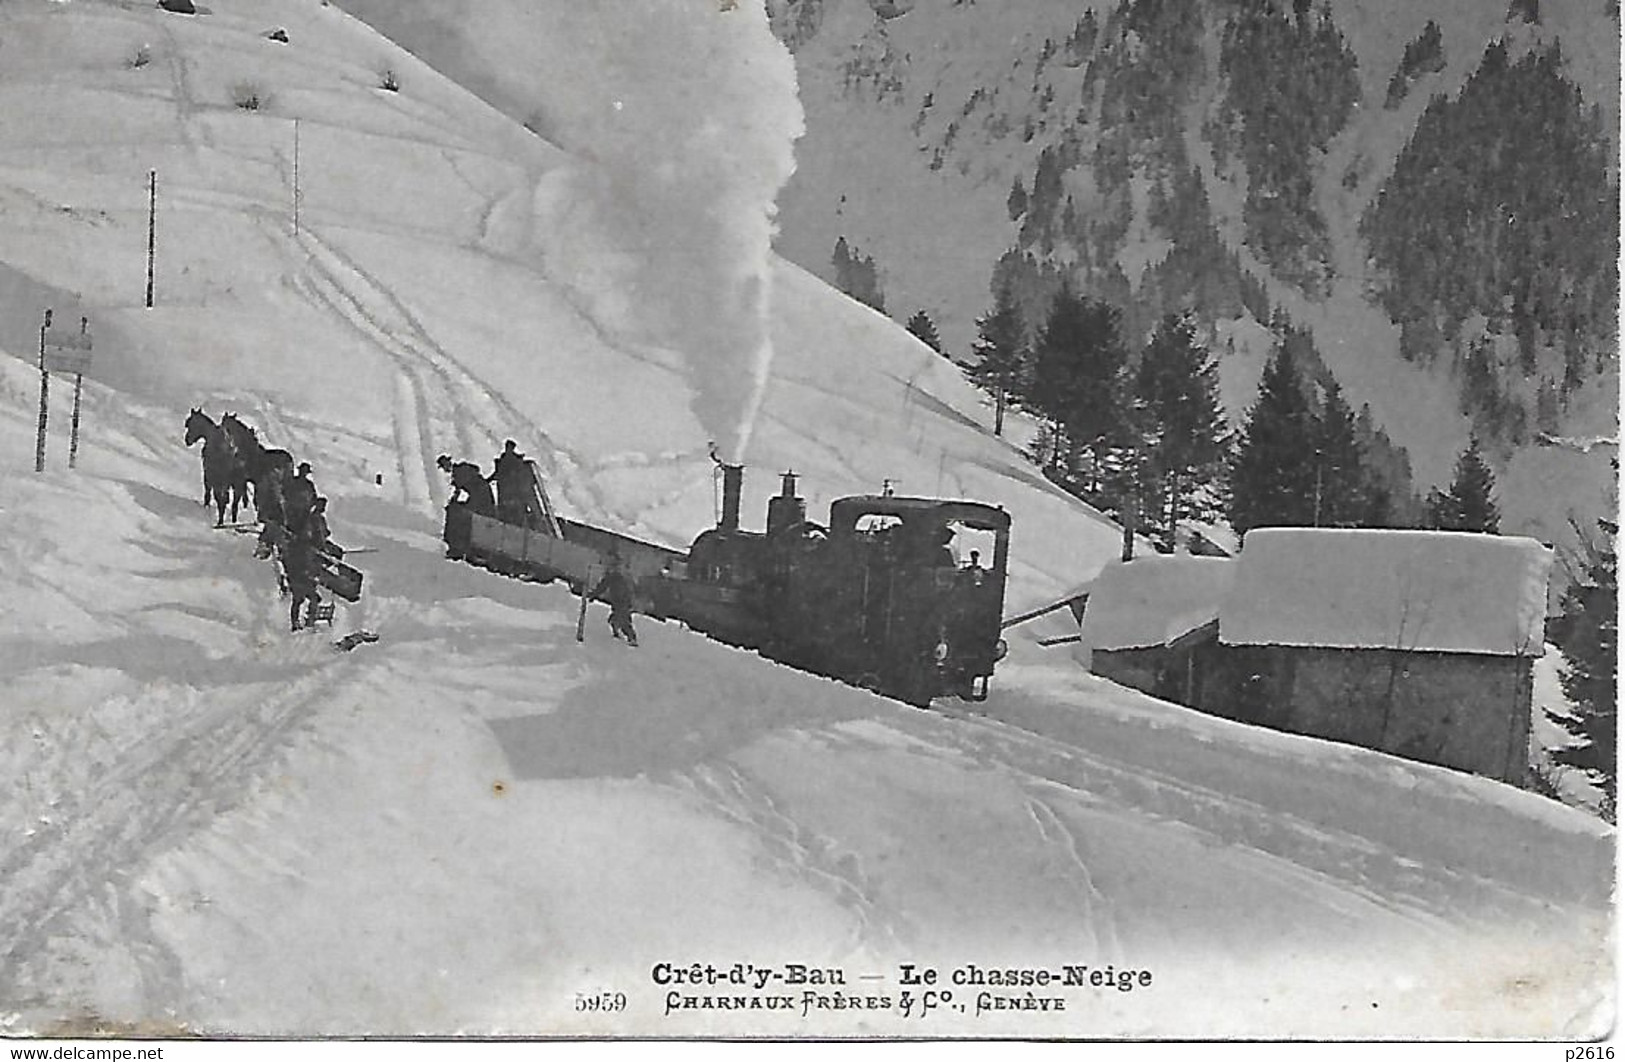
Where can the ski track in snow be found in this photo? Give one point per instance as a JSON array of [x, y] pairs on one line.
[[1333, 856], [446, 400], [186, 774], [181, 86], [805, 855], [1098, 917]]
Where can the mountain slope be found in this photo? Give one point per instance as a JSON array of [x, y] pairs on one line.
[[921, 117]]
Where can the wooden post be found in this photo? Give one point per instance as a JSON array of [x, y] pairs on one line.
[[296, 177], [581, 617], [44, 391], [1131, 511], [998, 408], [152, 229], [78, 386]]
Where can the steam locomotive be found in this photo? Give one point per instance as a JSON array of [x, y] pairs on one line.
[[900, 595]]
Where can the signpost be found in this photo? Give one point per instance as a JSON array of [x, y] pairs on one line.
[[62, 352]]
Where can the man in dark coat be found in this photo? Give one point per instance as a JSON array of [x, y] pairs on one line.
[[516, 487], [272, 541], [268, 500], [299, 568], [315, 531], [615, 589], [298, 495]]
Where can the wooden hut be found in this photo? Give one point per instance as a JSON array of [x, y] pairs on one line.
[[1151, 623], [1418, 643]]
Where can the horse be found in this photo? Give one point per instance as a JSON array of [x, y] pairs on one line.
[[267, 469], [246, 442], [222, 473], [198, 426]]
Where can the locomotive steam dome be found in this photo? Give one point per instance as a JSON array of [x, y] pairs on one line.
[[787, 509]]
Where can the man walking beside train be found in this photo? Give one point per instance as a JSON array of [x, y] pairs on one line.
[[615, 589]]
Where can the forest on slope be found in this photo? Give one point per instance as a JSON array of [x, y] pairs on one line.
[[1420, 199]]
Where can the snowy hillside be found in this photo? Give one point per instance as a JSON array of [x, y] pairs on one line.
[[476, 823], [920, 117]]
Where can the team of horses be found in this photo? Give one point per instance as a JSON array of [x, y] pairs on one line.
[[234, 460]]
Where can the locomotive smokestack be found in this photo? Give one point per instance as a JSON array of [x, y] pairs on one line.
[[733, 482]]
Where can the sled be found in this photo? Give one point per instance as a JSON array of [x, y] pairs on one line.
[[339, 577], [350, 641]]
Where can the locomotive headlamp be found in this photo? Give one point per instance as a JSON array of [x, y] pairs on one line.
[[1000, 647], [942, 652]]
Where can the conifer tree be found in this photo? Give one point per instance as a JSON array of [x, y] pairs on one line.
[[1000, 354], [1078, 378], [857, 275], [1588, 634], [1017, 201], [1272, 476], [1469, 503], [1184, 440], [1342, 498], [921, 327]]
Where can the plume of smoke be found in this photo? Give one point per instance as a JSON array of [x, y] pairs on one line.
[[680, 117]]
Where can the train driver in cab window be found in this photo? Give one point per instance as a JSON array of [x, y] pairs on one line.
[[939, 551]]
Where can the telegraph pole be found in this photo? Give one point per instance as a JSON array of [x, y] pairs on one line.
[[44, 391], [296, 177], [152, 229], [78, 386], [998, 405]]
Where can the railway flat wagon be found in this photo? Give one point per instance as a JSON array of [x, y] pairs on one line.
[[514, 549]]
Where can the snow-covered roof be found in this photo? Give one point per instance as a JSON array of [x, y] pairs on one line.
[[1153, 600], [1432, 591]]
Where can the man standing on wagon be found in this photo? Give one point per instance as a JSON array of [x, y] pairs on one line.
[[468, 486], [516, 487]]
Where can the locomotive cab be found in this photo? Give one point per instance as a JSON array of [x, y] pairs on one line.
[[921, 584]]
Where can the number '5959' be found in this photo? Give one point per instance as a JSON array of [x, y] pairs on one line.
[[604, 1001]]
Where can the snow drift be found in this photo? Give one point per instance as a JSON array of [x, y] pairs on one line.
[[1427, 591]]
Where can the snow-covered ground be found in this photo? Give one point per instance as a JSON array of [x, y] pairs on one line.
[[215, 826]]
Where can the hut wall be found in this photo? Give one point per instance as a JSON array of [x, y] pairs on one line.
[[1248, 683], [1135, 668], [1466, 711], [1460, 710]]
